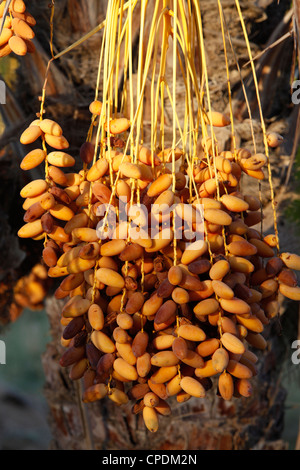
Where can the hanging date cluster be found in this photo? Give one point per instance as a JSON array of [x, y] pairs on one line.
[[150, 318]]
